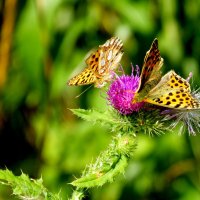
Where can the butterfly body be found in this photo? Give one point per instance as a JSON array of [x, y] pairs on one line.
[[100, 64], [171, 90]]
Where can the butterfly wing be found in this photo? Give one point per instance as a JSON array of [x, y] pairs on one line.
[[86, 77], [93, 61], [173, 92], [106, 58], [150, 74], [110, 55], [100, 63]]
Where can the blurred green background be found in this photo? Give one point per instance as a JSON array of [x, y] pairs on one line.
[[43, 44]]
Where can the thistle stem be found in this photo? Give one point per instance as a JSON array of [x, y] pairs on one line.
[[108, 165]]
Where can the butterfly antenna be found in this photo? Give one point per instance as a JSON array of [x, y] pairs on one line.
[[120, 68], [83, 91], [132, 73]]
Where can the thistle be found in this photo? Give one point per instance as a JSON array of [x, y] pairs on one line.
[[121, 94], [148, 103]]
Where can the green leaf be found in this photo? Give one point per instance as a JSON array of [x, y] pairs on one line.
[[139, 122], [95, 116], [110, 117], [26, 188]]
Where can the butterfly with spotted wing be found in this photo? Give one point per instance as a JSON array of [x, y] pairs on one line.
[[100, 64], [171, 90]]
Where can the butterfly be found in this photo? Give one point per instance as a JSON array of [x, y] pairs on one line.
[[171, 90], [100, 64]]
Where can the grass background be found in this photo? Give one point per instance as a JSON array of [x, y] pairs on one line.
[[43, 43]]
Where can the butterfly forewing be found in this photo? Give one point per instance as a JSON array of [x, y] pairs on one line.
[[150, 74], [152, 64], [173, 92], [86, 77]]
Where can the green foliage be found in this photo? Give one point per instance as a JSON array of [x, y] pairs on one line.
[[26, 188], [38, 135], [109, 164], [115, 159], [150, 123]]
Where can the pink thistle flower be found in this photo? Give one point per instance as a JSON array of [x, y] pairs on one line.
[[121, 93]]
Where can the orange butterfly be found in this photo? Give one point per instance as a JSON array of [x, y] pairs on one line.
[[100, 64], [170, 91]]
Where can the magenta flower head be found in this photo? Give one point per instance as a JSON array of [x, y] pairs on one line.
[[121, 93]]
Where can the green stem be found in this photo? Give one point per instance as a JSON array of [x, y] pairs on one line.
[[77, 194], [109, 164]]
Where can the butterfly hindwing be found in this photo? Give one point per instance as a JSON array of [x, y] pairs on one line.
[[173, 92]]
